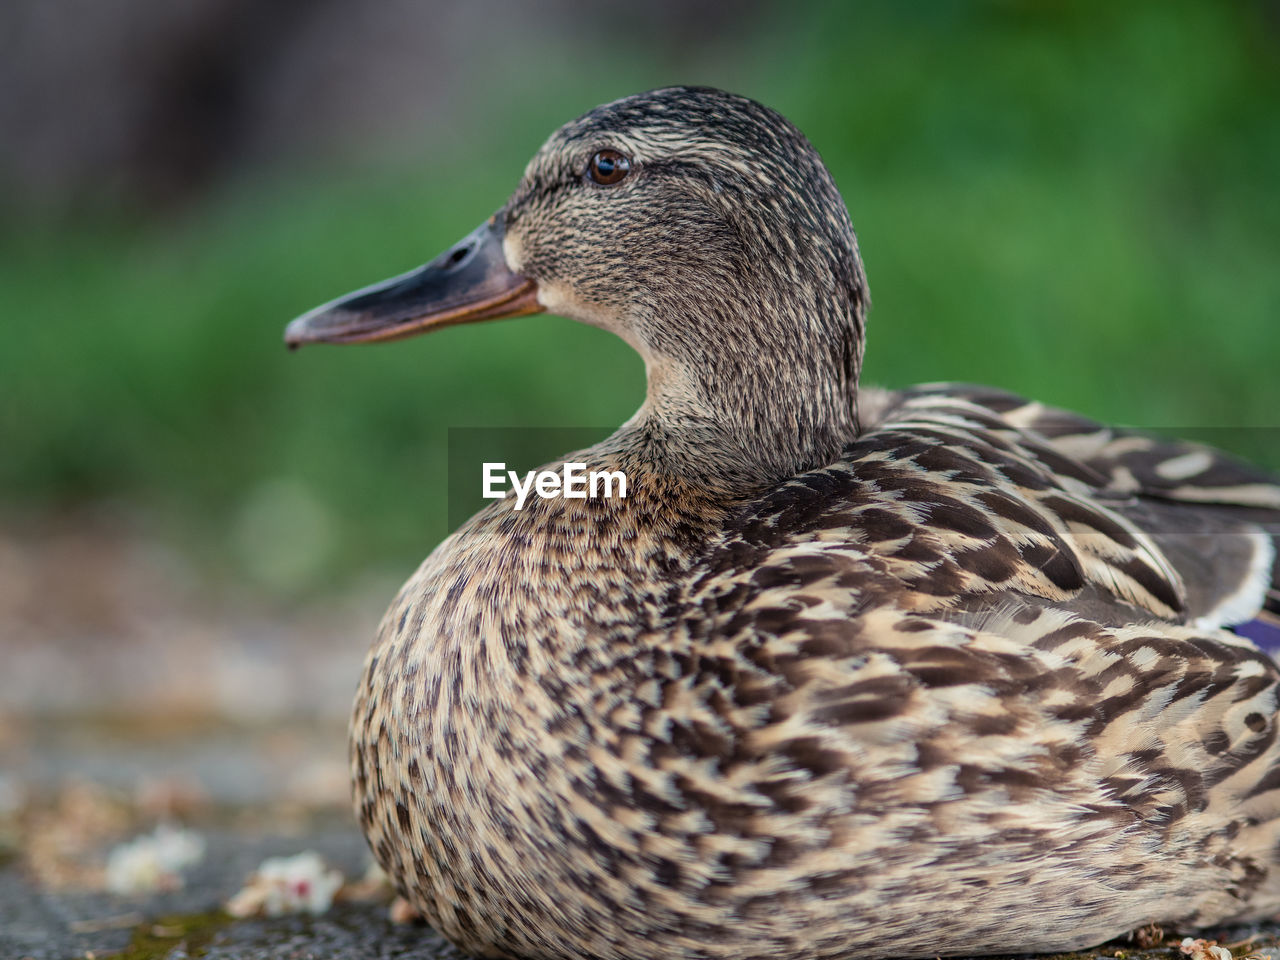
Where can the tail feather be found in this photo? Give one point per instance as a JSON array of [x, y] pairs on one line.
[[1216, 517]]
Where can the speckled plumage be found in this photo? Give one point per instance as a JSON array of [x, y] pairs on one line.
[[939, 672]]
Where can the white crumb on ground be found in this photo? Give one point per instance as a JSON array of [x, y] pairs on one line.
[[302, 883], [1198, 949], [153, 861]]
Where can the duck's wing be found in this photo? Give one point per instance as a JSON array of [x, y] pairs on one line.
[[949, 661], [1213, 520], [1116, 773]]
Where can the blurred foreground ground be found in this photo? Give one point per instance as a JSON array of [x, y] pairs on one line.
[[120, 665], [132, 696]]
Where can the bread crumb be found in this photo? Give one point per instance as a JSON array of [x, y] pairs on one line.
[[153, 861], [280, 885]]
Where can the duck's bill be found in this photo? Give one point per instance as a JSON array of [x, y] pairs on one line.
[[470, 281]]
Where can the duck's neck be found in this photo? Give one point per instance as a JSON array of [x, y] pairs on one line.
[[745, 415], [753, 355]]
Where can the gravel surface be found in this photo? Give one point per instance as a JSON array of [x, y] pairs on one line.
[[47, 925]]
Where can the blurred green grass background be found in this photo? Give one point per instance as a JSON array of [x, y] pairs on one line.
[[1080, 202]]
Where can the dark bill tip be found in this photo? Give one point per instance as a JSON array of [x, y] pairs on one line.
[[468, 282]]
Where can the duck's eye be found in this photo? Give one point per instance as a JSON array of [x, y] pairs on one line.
[[608, 166]]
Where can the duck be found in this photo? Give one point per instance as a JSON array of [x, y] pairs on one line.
[[847, 672]]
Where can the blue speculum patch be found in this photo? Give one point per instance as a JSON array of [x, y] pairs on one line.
[[1265, 635]]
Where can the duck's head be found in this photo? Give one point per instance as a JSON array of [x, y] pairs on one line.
[[703, 229]]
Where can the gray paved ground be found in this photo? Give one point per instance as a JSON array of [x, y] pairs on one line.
[[41, 924]]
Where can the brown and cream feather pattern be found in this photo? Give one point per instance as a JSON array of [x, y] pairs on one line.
[[859, 717], [942, 671]]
